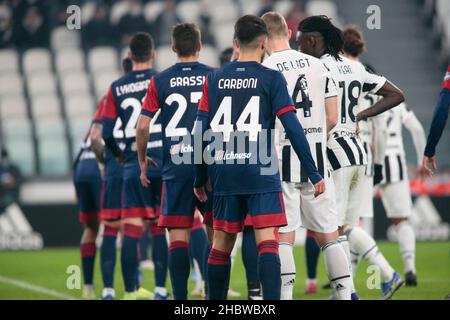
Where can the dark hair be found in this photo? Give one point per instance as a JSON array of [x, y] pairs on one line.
[[248, 28], [331, 34], [127, 65], [141, 47], [186, 39], [353, 41], [369, 68], [225, 56]]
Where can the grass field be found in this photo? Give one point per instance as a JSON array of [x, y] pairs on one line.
[[42, 274]]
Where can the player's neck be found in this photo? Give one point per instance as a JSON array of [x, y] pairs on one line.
[[142, 66], [187, 59], [350, 57], [250, 56], [279, 44]]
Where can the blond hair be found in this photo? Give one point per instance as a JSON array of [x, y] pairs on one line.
[[276, 25]]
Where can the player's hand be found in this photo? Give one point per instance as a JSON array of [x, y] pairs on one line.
[[424, 171], [143, 177], [319, 188], [201, 194]]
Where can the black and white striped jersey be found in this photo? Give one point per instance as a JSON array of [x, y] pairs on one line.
[[309, 83], [352, 81], [395, 167]]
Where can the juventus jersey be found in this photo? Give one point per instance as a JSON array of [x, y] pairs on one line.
[[309, 84], [352, 80], [394, 167]]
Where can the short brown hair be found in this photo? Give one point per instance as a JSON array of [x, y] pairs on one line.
[[354, 44], [248, 29], [276, 24], [141, 47], [186, 39]]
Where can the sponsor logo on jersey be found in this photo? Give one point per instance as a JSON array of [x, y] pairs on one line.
[[230, 155]]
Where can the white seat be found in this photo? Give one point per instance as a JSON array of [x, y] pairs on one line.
[[49, 127], [165, 58], [69, 60], [54, 156], [209, 56], [16, 129], [152, 10], [75, 83], [63, 38], [13, 107], [21, 152], [324, 7], [101, 58], [250, 6], [103, 81], [11, 83], [78, 130], [36, 60], [223, 34], [223, 11], [87, 11], [118, 10], [79, 105], [41, 83], [9, 61], [44, 106], [188, 11], [283, 7]]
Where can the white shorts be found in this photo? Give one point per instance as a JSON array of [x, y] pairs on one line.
[[365, 207], [396, 198], [349, 184], [302, 208]]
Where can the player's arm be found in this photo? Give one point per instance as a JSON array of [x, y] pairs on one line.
[[200, 126], [438, 123], [418, 134], [285, 111], [391, 96], [149, 108], [380, 137], [97, 146], [109, 117], [331, 109], [331, 100]]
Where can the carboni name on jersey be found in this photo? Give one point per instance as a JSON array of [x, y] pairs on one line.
[[238, 83]]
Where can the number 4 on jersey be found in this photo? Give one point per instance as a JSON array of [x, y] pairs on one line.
[[301, 96]]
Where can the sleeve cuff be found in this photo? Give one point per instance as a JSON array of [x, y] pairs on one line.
[[282, 111], [147, 113]]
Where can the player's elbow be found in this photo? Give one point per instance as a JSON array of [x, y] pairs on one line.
[[397, 96], [332, 122], [142, 128], [96, 135]]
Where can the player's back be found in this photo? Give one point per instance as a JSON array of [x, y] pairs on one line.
[[309, 85], [124, 102], [243, 101], [395, 118], [176, 93]]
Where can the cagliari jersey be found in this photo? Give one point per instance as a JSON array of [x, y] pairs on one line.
[[352, 80], [174, 95], [309, 84], [123, 103], [395, 168], [241, 101]]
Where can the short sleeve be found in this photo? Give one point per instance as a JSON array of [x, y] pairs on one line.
[[280, 99], [98, 114], [109, 109], [203, 105], [372, 82], [151, 102], [446, 81], [330, 85]]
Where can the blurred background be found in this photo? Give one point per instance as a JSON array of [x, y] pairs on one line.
[[51, 79]]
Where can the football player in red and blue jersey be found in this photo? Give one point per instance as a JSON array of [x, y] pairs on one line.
[[240, 103], [123, 103], [88, 185], [175, 93]]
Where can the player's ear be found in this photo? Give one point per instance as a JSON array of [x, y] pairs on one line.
[[129, 55], [263, 43], [289, 33], [153, 55]]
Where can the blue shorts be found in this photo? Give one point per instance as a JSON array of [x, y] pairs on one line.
[[179, 203], [111, 199], [140, 202], [266, 210], [88, 195]]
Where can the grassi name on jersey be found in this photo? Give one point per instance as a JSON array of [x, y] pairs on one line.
[[352, 80], [309, 84]]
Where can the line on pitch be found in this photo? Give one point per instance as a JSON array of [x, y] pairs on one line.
[[32, 287]]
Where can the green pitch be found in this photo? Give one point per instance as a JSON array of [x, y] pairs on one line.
[[43, 274]]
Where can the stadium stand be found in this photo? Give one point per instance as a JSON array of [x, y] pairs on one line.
[[53, 89]]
